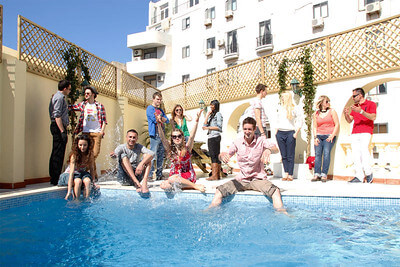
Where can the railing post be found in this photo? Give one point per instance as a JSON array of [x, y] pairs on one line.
[[19, 37], [185, 95], [262, 67], [328, 58], [145, 95]]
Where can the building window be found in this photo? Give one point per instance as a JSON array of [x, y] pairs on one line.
[[186, 23], [379, 90], [211, 43], [381, 128], [320, 10], [150, 53], [209, 71], [366, 2], [186, 51], [265, 36], [230, 5], [232, 46], [151, 79], [210, 13], [185, 78], [231, 64], [164, 11], [193, 2]]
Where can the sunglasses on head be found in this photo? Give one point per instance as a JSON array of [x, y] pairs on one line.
[[176, 136]]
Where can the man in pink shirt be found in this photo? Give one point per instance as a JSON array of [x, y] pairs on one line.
[[363, 113], [252, 152]]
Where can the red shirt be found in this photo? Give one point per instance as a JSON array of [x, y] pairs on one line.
[[361, 123]]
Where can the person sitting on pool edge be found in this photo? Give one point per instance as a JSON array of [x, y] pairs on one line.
[[180, 153], [252, 152], [131, 168]]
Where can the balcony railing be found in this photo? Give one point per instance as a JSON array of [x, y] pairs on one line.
[[231, 49], [335, 57], [266, 39]]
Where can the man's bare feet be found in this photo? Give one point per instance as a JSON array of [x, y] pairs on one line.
[[145, 189]]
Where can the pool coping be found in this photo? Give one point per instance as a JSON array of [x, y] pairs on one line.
[[296, 188]]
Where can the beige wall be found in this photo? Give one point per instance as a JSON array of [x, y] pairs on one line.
[[12, 118], [25, 138]]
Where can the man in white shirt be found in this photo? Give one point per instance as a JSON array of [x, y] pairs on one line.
[[92, 120]]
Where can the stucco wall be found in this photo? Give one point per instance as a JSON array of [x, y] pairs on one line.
[[26, 141]]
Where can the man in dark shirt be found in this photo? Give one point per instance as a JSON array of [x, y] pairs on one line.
[[58, 110]]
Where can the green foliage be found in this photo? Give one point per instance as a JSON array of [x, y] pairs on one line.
[[308, 91], [76, 71], [282, 72]]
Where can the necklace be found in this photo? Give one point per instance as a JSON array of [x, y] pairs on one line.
[[323, 111]]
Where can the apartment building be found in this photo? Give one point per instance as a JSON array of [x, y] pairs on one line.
[[188, 39]]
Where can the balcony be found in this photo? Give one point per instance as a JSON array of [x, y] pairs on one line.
[[264, 43], [148, 39], [146, 67], [231, 52]]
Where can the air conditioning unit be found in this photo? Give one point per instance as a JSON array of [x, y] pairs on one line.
[[209, 52], [165, 24], [207, 22], [318, 22], [137, 52], [373, 8], [160, 78], [221, 42], [228, 14]]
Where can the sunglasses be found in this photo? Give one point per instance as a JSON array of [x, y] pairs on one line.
[[178, 109], [176, 136], [354, 96]]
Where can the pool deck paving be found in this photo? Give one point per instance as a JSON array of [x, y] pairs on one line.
[[298, 187]]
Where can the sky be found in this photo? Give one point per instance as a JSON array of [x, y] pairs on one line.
[[98, 26]]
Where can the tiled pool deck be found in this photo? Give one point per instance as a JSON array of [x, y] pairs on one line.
[[299, 191]]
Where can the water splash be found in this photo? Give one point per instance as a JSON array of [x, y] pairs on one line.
[[111, 164]]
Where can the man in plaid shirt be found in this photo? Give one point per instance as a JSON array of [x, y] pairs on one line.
[[92, 120]]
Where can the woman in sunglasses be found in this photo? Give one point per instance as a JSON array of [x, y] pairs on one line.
[[325, 130], [180, 121], [179, 152]]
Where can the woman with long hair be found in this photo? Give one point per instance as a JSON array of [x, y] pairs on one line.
[[81, 167], [326, 128], [179, 152], [289, 123], [213, 124], [179, 120]]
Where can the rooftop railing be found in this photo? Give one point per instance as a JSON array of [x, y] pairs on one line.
[[365, 50], [42, 51]]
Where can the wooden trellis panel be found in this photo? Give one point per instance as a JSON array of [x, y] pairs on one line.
[[138, 92], [369, 49], [42, 51], [365, 50], [1, 33]]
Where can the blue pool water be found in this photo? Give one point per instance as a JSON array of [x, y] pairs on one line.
[[122, 229]]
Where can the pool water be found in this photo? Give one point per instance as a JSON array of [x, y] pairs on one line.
[[122, 229]]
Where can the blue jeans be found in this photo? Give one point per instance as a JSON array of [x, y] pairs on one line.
[[323, 154], [157, 147], [287, 147]]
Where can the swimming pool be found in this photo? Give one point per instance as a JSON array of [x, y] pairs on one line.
[[120, 228]]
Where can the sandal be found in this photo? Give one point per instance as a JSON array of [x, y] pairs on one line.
[[323, 179], [316, 179]]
